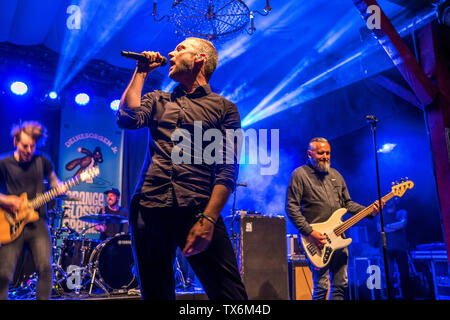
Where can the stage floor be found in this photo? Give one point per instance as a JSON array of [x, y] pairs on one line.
[[133, 294]]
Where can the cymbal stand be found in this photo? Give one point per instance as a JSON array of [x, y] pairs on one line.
[[234, 240], [90, 269], [57, 249], [179, 272], [96, 281]]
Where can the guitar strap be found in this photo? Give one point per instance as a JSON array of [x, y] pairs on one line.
[[40, 173]]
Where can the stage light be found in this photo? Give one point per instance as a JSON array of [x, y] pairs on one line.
[[387, 147], [114, 105], [53, 95], [82, 99], [19, 88]]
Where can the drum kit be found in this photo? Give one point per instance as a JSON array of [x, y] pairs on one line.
[[86, 266]]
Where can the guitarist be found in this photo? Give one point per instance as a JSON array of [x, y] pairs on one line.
[[24, 170], [315, 191]]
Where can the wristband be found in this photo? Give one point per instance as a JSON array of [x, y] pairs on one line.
[[202, 215]]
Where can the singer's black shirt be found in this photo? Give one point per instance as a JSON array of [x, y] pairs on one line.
[[167, 183]]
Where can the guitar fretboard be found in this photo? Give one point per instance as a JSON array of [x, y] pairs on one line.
[[51, 194], [360, 215]]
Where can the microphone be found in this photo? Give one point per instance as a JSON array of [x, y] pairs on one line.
[[241, 184], [371, 118], [140, 57]]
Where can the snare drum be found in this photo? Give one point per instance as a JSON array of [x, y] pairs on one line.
[[114, 262]]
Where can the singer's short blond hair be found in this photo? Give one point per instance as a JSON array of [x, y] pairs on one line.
[[206, 47], [32, 128]]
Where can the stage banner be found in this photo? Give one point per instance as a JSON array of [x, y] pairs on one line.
[[89, 137]]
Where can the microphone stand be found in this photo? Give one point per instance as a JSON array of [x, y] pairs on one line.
[[233, 216], [373, 121], [232, 233]]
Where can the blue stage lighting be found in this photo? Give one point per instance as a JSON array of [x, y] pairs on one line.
[[19, 88], [115, 105], [82, 99], [53, 95], [387, 147]]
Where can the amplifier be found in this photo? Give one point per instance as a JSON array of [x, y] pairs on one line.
[[262, 256], [300, 280], [437, 261]]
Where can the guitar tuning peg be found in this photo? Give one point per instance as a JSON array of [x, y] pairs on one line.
[[402, 180], [393, 183]]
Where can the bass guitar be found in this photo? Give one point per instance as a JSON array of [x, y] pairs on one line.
[[334, 228], [12, 223]]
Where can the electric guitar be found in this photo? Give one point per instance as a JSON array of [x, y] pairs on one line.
[[334, 227], [12, 223]]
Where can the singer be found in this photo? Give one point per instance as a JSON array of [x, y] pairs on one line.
[[179, 205]]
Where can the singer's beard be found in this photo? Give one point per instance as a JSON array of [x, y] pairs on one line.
[[320, 165]]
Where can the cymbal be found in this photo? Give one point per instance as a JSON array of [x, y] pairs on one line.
[[66, 197], [103, 218]]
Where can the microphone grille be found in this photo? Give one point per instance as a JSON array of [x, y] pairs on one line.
[[163, 61]]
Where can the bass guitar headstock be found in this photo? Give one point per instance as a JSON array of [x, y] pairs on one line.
[[400, 188]]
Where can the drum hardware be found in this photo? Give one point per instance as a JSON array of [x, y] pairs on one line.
[[26, 290], [72, 270], [103, 218]]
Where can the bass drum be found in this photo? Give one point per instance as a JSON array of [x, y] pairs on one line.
[[114, 262]]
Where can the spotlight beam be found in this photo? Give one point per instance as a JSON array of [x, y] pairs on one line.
[[294, 98], [100, 20], [400, 54]]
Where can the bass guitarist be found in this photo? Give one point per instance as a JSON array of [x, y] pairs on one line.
[[315, 191], [24, 170]]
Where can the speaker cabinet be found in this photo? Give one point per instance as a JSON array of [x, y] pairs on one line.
[[300, 280], [262, 256]]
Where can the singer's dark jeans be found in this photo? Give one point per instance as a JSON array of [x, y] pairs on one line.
[[157, 232], [36, 236]]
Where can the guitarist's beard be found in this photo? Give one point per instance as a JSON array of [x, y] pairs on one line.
[[321, 166]]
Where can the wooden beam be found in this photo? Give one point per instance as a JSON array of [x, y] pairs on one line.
[[438, 118], [435, 99], [400, 54], [398, 90]]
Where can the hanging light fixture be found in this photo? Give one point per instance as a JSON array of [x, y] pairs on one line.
[[210, 19]]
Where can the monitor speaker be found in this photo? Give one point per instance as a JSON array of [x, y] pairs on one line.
[[262, 256]]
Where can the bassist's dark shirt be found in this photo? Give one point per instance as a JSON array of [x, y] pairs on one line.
[[313, 196], [17, 178]]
